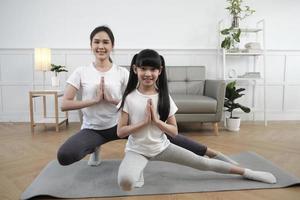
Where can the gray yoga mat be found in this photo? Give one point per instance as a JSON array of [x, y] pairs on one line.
[[82, 181]]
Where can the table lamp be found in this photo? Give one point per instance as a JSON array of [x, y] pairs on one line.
[[42, 61]]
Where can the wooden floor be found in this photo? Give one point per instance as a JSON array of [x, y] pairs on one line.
[[23, 156]]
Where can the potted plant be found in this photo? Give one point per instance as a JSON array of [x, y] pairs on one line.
[[56, 69], [231, 94], [232, 34], [238, 12]]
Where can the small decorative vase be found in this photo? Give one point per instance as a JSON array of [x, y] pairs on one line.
[[235, 22], [55, 81]]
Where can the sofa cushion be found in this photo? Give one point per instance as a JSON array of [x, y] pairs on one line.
[[194, 104], [186, 80], [189, 88]]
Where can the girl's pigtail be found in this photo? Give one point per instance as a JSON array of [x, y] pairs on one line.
[[163, 106]]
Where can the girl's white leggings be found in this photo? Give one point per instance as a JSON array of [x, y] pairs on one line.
[[133, 164]]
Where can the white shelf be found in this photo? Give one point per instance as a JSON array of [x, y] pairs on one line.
[[259, 30], [243, 54], [246, 79], [251, 30]]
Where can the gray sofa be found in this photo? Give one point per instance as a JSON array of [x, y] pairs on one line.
[[197, 99]]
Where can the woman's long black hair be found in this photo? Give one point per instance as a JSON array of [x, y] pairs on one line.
[[149, 57]]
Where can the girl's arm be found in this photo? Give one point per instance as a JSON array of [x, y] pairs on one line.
[[68, 102], [124, 129], [169, 127]]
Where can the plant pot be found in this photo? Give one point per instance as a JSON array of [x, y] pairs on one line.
[[55, 81], [233, 124]]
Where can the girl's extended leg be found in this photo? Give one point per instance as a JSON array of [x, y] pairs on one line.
[[198, 148], [131, 169], [82, 143], [219, 156], [182, 156]]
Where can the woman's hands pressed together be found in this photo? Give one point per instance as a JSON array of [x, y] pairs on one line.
[[100, 91], [103, 94]]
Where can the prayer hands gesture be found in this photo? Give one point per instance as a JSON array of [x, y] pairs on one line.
[[151, 115], [100, 91], [103, 94]]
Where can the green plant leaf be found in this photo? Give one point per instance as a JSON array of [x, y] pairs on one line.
[[236, 35], [226, 43], [231, 85], [226, 31], [240, 90], [58, 68], [232, 93], [244, 108]]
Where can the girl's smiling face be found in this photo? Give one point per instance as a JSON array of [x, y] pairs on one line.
[[147, 75]]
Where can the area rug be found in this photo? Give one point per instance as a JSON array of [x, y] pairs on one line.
[[82, 181]]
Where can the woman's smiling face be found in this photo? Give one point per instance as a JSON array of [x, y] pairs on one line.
[[101, 45]]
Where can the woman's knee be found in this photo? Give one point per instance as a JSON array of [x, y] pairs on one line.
[[64, 157]]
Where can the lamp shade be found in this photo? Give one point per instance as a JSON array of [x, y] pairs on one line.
[[42, 59]]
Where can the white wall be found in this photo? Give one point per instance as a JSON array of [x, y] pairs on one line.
[[179, 24], [18, 77], [184, 31]]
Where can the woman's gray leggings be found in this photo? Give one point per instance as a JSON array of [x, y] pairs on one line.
[[86, 140], [133, 164]]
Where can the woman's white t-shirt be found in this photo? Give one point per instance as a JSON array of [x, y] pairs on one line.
[[102, 115], [150, 140]]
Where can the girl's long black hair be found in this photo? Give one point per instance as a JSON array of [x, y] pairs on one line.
[[149, 57]]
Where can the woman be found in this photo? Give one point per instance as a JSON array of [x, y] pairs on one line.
[[102, 84]]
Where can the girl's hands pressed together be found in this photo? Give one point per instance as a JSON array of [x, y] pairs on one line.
[[124, 128], [154, 116], [148, 118], [169, 127]]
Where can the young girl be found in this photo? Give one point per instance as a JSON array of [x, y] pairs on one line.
[[147, 114]]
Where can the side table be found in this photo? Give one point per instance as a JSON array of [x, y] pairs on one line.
[[46, 119]]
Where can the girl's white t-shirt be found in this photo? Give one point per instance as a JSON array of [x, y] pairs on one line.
[[102, 115], [150, 140]]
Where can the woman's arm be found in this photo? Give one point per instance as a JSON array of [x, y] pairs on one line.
[[68, 102]]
